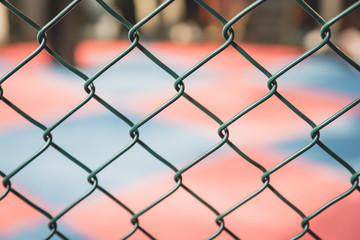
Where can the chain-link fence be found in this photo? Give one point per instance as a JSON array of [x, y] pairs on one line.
[[273, 90]]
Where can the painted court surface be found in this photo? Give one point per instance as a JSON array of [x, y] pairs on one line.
[[319, 87]]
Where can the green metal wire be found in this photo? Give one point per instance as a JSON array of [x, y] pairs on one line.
[[273, 84]]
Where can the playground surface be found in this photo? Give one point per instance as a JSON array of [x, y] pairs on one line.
[[319, 86]]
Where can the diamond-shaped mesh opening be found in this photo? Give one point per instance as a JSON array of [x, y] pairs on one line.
[[137, 171], [52, 166], [344, 216], [264, 208], [29, 140], [181, 206], [112, 216], [172, 134], [273, 130], [320, 177], [325, 87], [341, 136], [337, 138], [133, 91], [225, 89], [223, 178], [22, 217], [105, 134], [45, 89]]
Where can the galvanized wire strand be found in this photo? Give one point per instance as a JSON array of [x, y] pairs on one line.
[[273, 87], [134, 35], [47, 135], [52, 224], [179, 86], [272, 80], [53, 229]]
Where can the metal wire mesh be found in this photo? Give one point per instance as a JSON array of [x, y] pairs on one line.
[[274, 90]]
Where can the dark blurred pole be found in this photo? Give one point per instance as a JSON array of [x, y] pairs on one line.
[[22, 31], [192, 10], [62, 38], [128, 9], [67, 33]]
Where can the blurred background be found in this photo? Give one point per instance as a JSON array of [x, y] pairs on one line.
[[273, 22]]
